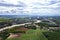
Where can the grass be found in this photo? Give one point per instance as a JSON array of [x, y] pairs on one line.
[[31, 35], [52, 35], [5, 19]]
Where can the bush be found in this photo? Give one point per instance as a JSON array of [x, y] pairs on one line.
[[32, 27], [52, 35]]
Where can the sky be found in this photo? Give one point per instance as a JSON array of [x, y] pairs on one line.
[[30, 7]]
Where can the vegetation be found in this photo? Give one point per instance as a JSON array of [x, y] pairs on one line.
[[31, 27], [31, 35], [4, 34], [5, 19], [15, 30], [52, 35], [43, 24]]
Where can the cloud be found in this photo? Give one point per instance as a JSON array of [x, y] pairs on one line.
[[39, 7], [21, 4]]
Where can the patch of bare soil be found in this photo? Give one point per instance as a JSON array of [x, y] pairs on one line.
[[14, 35], [23, 29], [0, 38]]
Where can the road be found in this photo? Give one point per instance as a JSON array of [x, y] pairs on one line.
[[9, 27], [51, 21]]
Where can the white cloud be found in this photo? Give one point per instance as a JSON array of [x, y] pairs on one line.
[[10, 1], [42, 7]]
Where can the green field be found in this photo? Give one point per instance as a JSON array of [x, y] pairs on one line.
[[52, 35], [4, 19], [31, 35]]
